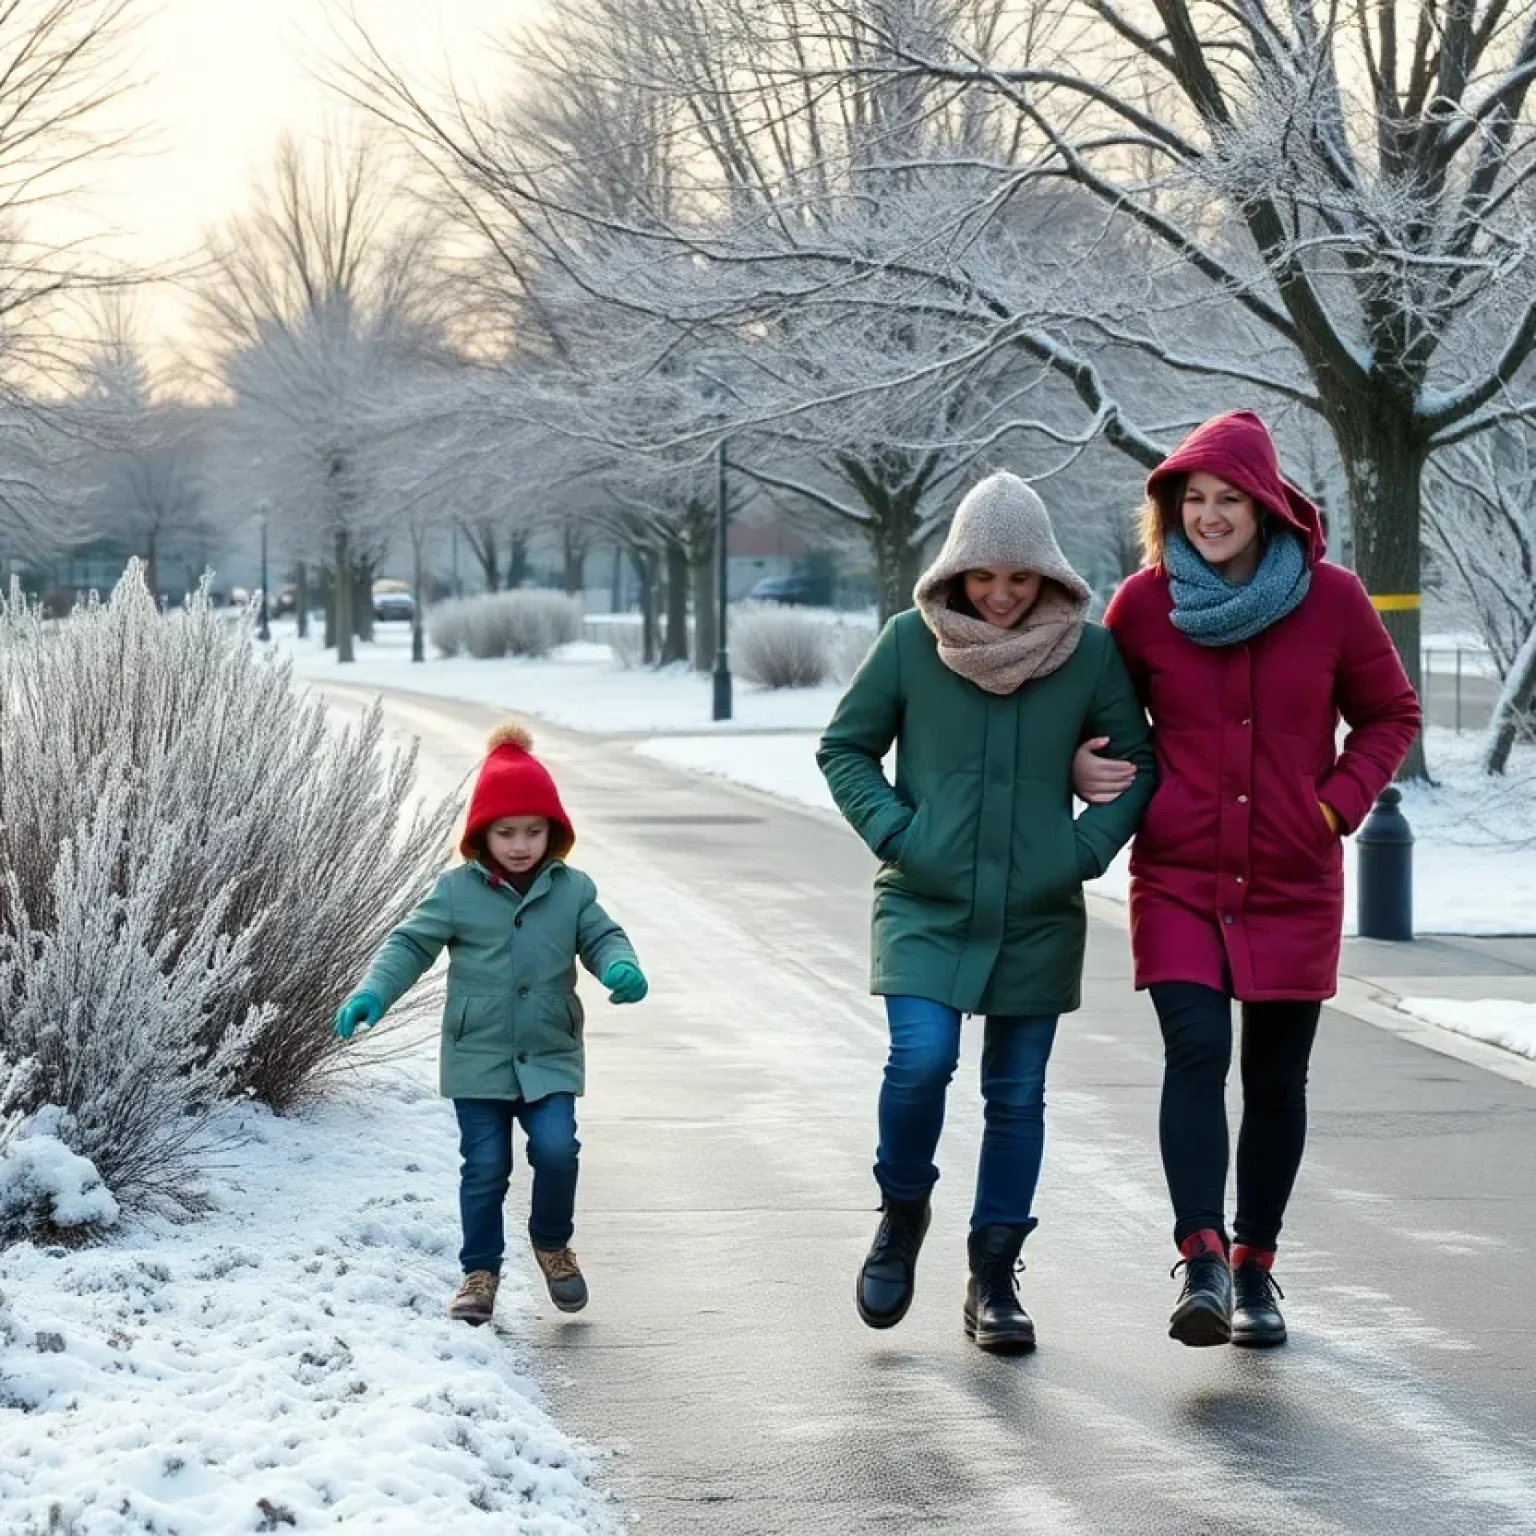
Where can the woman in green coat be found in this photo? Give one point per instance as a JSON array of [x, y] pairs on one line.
[[986, 690]]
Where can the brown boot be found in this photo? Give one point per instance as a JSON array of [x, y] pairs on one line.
[[475, 1299], [562, 1275]]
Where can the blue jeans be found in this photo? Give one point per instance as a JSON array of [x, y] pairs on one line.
[[925, 1048], [485, 1144]]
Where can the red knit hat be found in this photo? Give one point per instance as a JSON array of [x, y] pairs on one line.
[[513, 782]]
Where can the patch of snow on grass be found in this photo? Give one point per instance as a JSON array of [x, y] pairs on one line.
[[1508, 1025], [580, 687], [284, 1362]]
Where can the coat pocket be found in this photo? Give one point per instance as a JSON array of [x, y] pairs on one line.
[[467, 1016]]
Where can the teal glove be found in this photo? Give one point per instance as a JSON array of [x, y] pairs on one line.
[[625, 982], [361, 1008]]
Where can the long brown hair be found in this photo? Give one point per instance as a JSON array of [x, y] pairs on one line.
[[1160, 514]]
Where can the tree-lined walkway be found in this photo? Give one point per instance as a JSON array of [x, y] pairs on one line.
[[727, 1202]]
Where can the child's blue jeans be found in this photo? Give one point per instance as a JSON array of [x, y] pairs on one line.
[[485, 1145], [925, 1049]]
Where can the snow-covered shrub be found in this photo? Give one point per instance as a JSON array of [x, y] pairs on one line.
[[781, 647], [445, 627], [48, 1191], [627, 643], [524, 623], [194, 869]]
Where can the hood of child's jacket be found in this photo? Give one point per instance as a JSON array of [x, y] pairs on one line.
[[1237, 447]]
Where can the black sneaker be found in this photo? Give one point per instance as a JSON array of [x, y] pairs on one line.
[[1256, 1319], [887, 1278], [1204, 1313], [993, 1316]]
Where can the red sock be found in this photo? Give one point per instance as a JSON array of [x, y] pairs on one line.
[[1198, 1244], [1243, 1254]]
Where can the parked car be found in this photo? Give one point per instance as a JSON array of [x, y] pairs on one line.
[[792, 591], [393, 600]]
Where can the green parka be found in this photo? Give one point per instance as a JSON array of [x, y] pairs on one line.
[[979, 904], [512, 1027]]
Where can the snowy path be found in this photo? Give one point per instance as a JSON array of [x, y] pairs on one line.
[[726, 1203]]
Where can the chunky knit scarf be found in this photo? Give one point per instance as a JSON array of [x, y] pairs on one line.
[[1212, 611]]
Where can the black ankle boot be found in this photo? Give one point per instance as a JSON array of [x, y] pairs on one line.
[[886, 1281], [1256, 1319], [1204, 1313], [993, 1316]]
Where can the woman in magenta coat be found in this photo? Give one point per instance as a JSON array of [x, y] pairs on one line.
[[1246, 647]]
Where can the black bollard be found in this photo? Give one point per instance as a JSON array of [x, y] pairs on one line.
[[1385, 841]]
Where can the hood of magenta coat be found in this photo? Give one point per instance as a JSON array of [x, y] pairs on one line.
[[1238, 448]]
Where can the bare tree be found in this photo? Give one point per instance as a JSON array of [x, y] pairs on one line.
[[1481, 518], [319, 296]]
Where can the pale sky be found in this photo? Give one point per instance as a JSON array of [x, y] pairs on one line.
[[223, 79]]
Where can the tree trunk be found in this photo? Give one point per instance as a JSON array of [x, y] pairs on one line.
[[517, 562], [575, 552], [490, 562], [419, 608], [301, 598], [645, 573], [616, 592], [706, 637], [1384, 466], [1517, 700], [676, 646], [892, 530], [328, 602], [362, 602], [342, 588]]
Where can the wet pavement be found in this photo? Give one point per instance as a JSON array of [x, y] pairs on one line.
[[727, 1201]]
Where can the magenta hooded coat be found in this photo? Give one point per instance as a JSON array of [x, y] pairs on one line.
[[1237, 881]]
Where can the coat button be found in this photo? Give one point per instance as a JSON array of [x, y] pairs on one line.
[[522, 1056], [1226, 917], [1238, 878], [1242, 799], [517, 922], [1247, 722], [522, 991]]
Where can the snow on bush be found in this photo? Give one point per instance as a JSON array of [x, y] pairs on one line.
[[194, 869], [524, 623], [782, 647], [46, 1188]]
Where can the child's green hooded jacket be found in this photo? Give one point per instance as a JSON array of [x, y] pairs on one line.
[[512, 1028]]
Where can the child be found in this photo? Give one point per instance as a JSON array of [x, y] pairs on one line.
[[515, 918]]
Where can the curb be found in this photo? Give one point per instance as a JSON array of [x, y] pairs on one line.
[[1374, 1005]]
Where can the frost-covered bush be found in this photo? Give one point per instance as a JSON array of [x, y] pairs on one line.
[[194, 869], [524, 623], [781, 647]]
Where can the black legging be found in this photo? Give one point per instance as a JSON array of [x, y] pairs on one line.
[[1197, 1041]]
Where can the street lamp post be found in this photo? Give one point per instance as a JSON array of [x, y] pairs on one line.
[[722, 593], [263, 627]]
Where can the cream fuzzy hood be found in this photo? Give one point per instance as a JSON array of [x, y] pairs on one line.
[[1002, 521]]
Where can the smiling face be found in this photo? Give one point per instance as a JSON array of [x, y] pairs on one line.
[[518, 843], [1002, 594], [1222, 522]]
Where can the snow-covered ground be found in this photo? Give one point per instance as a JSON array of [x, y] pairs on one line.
[[284, 1363], [580, 687], [1496, 1021]]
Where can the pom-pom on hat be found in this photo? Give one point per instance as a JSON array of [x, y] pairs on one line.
[[513, 782]]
